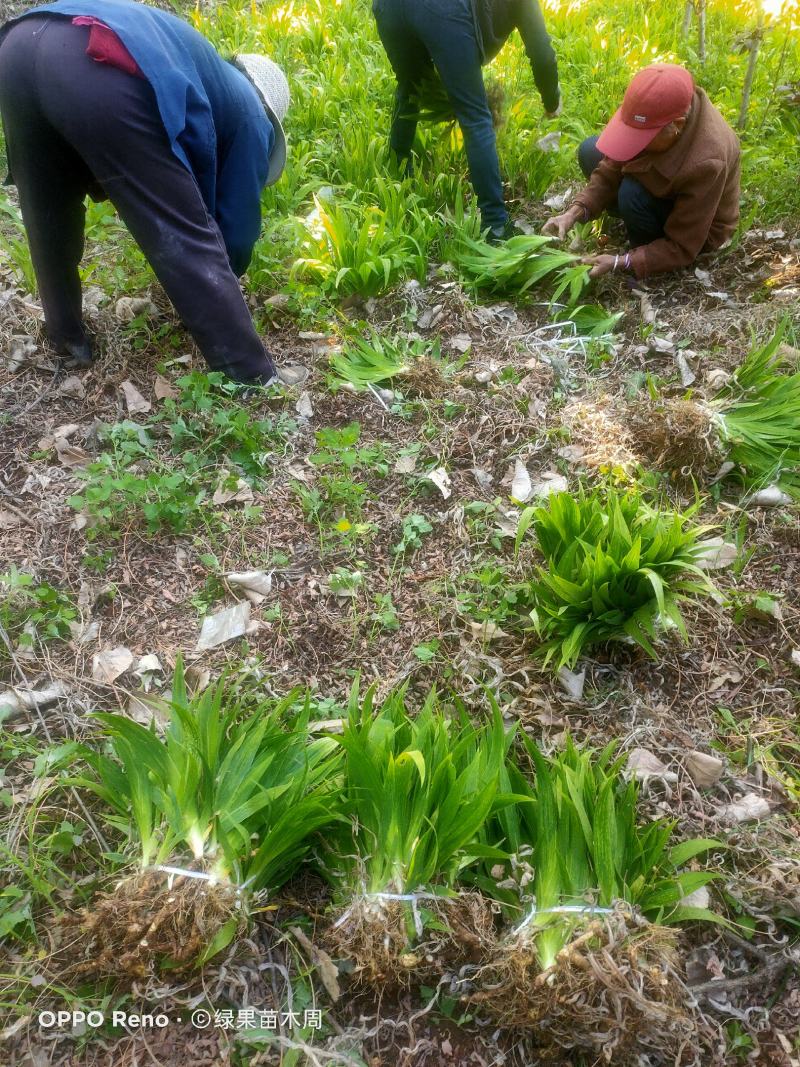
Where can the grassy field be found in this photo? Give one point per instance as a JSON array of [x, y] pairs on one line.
[[442, 707]]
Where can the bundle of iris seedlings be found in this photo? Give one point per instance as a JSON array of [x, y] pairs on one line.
[[417, 791], [753, 423], [219, 806], [587, 960]]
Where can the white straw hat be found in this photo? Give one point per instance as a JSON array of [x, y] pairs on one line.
[[271, 85]]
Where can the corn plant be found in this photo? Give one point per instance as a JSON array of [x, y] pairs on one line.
[[418, 791], [516, 265], [242, 792], [576, 823], [615, 568], [377, 358], [353, 249], [759, 418]]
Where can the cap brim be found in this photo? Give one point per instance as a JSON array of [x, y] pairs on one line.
[[621, 142], [277, 157]]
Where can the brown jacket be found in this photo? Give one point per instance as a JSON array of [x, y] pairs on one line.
[[700, 173]]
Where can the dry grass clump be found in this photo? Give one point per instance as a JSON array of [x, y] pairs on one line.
[[395, 942], [613, 992], [677, 435], [147, 921]]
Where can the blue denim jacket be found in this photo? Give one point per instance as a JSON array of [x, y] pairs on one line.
[[213, 117]]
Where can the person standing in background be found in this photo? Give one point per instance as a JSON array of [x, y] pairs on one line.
[[457, 37]]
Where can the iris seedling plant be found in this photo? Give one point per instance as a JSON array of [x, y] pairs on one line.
[[237, 793], [759, 418], [577, 824], [418, 790], [615, 568], [366, 361], [516, 265]]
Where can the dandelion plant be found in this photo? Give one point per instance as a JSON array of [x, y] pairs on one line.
[[615, 568]]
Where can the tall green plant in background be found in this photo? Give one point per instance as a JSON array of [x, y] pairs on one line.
[[353, 248], [615, 568], [576, 825]]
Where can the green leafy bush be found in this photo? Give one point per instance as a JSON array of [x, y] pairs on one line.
[[615, 567], [575, 824]]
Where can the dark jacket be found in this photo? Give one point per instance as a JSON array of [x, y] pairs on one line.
[[496, 20], [213, 117], [700, 173]]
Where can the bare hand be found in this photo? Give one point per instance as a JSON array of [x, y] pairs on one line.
[[600, 264], [560, 225]]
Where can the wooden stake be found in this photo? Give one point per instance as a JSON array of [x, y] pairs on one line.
[[687, 18], [753, 46], [701, 30]]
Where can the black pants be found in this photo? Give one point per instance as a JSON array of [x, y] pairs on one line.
[[73, 125], [644, 215]]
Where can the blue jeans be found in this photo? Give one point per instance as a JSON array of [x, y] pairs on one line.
[[644, 215], [419, 35]]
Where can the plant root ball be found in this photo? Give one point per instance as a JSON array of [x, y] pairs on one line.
[[612, 992], [379, 935], [424, 378], [677, 435], [147, 920]]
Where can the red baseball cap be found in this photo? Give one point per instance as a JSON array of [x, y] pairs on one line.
[[657, 96]]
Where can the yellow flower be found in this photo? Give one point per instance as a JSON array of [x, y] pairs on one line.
[[343, 526]]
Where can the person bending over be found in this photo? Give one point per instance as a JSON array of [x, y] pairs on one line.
[[128, 103], [456, 37], [668, 164]]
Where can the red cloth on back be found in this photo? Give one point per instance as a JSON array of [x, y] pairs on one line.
[[105, 47]]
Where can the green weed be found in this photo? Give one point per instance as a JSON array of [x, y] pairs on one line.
[[32, 612]]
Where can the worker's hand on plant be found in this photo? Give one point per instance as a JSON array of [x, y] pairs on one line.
[[601, 264], [560, 225]]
